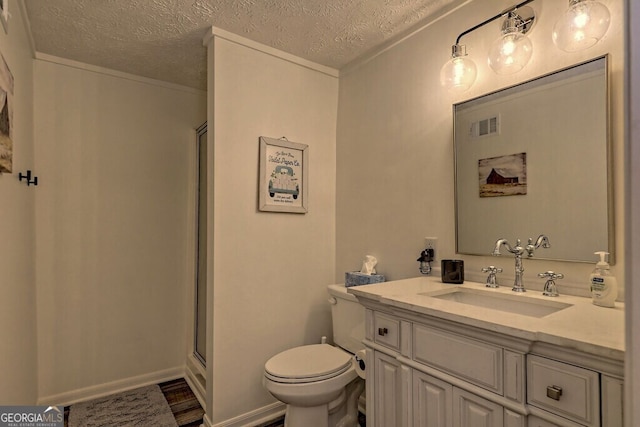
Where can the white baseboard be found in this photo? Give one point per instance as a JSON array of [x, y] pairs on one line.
[[253, 418], [93, 392], [196, 380]]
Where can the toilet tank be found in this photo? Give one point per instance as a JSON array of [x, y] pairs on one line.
[[348, 319]]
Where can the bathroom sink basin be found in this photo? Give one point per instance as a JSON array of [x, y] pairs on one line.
[[516, 303]]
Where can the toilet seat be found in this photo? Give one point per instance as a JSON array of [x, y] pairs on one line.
[[309, 363]]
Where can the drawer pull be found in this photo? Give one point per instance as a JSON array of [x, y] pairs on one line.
[[554, 392], [382, 331]]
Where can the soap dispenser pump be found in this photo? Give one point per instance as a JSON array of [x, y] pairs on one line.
[[425, 260], [604, 287]]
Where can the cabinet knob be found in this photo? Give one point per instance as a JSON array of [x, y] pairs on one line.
[[554, 392], [382, 331]]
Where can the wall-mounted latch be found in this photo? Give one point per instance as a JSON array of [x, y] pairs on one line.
[[27, 177]]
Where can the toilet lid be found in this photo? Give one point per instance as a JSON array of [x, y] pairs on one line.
[[308, 363]]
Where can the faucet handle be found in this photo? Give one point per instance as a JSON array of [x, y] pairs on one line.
[[550, 288], [551, 275], [492, 282]]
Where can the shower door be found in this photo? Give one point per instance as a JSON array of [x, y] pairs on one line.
[[200, 335]]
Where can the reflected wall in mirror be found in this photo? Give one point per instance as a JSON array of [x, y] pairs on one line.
[[557, 124]]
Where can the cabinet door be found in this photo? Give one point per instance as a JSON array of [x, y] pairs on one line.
[[470, 410], [387, 391], [513, 419], [432, 401], [612, 390]]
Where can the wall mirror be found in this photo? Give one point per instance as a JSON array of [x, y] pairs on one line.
[[535, 159]]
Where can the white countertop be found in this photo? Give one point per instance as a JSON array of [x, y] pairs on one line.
[[582, 326]]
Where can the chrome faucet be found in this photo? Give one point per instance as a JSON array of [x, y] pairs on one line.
[[542, 240], [518, 251]]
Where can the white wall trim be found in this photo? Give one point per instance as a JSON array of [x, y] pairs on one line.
[[100, 390], [253, 418], [114, 73], [226, 35], [193, 370], [392, 42], [206, 422]]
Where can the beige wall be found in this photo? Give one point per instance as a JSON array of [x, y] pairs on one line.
[[394, 118], [112, 235], [17, 251], [394, 150], [270, 270]]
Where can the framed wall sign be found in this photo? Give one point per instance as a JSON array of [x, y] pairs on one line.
[[284, 168], [6, 117]]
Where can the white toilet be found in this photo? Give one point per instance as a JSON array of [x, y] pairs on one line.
[[319, 382]]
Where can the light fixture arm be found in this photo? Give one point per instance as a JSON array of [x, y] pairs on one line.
[[499, 15]]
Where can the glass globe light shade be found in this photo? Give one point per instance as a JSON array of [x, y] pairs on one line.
[[459, 73], [582, 26], [510, 52]]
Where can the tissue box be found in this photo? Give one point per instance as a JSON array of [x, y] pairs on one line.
[[355, 278]]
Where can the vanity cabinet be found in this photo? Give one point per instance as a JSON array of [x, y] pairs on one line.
[[388, 380], [432, 401], [438, 403], [429, 372], [564, 389], [470, 410], [611, 396]]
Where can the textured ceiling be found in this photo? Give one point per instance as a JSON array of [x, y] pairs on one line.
[[162, 39]]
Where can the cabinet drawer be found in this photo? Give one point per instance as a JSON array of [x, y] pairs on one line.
[[563, 389], [537, 422], [386, 331], [473, 361]]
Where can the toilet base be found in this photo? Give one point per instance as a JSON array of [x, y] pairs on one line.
[[341, 412], [315, 416]]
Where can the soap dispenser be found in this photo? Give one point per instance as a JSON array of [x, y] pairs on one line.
[[604, 287], [425, 260]]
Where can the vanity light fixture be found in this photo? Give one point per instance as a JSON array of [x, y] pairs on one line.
[[581, 26], [508, 54], [459, 73], [513, 49]]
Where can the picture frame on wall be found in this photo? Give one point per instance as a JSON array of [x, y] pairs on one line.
[[283, 175], [503, 175], [4, 14], [6, 117]]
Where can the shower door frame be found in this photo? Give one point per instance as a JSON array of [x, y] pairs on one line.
[[200, 280]]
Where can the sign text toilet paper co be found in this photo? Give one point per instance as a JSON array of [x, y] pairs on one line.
[[283, 175]]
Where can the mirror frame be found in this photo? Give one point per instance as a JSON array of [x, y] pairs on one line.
[[609, 161]]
